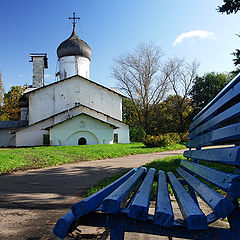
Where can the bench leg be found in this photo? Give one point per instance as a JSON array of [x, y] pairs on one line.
[[116, 234]]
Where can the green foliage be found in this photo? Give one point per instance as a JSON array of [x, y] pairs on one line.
[[229, 6], [172, 115], [205, 88], [38, 157], [137, 134], [232, 6], [10, 109], [162, 140]]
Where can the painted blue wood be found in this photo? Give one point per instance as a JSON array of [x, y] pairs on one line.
[[90, 203], [216, 121], [234, 220], [64, 224], [200, 141], [116, 234], [230, 91], [116, 199], [226, 134], [228, 155], [140, 205], [219, 204], [193, 216], [228, 182], [163, 211]]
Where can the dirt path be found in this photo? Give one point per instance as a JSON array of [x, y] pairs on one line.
[[32, 201]]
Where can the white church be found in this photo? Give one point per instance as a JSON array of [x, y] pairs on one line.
[[72, 111]]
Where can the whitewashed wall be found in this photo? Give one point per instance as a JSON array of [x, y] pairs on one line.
[[74, 65], [6, 138], [68, 132], [33, 135], [65, 94]]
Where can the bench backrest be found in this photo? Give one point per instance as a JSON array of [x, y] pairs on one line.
[[215, 137]]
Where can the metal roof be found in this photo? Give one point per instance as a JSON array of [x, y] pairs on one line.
[[13, 124]]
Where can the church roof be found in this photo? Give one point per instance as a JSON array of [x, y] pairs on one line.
[[77, 116], [13, 124], [109, 89], [74, 46]]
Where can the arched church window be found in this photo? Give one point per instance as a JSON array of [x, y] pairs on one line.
[[82, 141]]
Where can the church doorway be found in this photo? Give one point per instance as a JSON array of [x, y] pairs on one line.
[[82, 141]]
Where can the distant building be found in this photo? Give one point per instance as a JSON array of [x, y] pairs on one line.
[[72, 111]]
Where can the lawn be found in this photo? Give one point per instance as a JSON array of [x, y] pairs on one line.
[[168, 164], [38, 157]]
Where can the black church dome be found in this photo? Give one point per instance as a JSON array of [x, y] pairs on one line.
[[74, 46]]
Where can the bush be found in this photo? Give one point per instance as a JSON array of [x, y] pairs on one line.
[[164, 140], [137, 134]]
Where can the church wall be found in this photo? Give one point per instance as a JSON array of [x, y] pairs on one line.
[[122, 131], [74, 65], [6, 139], [32, 135], [68, 132], [64, 95]]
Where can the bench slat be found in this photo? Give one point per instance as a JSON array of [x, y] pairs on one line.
[[227, 97], [227, 134], [140, 205], [64, 224], [228, 155], [116, 199], [219, 204], [228, 88], [193, 216], [226, 181], [200, 141], [215, 122], [163, 211], [90, 203]]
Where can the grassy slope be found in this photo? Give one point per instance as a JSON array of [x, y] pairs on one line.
[[38, 157]]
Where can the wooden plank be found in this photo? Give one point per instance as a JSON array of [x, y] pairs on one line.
[[227, 134], [90, 203], [163, 211], [193, 216], [200, 141], [140, 205], [232, 86], [64, 224], [226, 181], [116, 199], [229, 155], [216, 121], [219, 204]]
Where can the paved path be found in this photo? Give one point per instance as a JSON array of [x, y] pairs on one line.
[[31, 201]]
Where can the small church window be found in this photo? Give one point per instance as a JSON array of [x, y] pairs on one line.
[[82, 141]]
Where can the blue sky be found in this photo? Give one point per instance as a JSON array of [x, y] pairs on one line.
[[113, 27]]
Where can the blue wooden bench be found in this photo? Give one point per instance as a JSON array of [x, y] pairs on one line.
[[123, 206]]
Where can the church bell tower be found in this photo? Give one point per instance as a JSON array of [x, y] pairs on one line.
[[74, 55]]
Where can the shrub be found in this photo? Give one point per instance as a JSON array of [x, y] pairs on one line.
[[137, 134], [164, 140]]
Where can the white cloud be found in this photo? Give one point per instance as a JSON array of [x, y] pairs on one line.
[[20, 75], [195, 33]]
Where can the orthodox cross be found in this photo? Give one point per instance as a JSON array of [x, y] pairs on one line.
[[74, 19]]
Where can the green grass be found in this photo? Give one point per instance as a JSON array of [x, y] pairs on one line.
[[38, 157], [165, 164]]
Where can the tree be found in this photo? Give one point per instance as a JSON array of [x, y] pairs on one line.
[[229, 6], [232, 6], [181, 78], [143, 78], [1, 91], [205, 88], [166, 117], [10, 109]]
